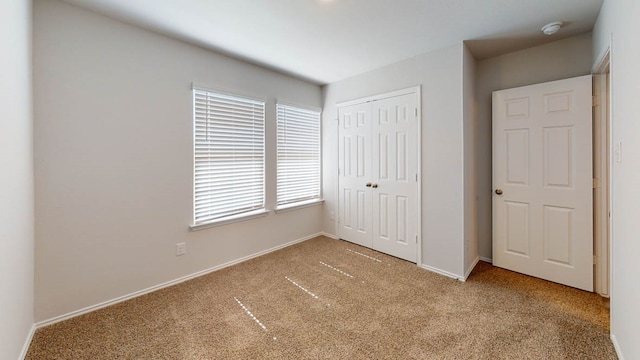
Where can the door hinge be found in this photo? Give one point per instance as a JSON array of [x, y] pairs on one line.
[[416, 111], [338, 171], [416, 177], [595, 260], [594, 101], [595, 183], [416, 239]]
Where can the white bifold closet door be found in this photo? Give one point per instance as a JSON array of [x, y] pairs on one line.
[[378, 175]]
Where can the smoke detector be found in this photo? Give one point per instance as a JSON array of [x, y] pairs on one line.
[[551, 28]]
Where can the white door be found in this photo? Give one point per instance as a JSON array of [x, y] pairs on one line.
[[378, 171], [394, 169], [542, 181], [354, 152]]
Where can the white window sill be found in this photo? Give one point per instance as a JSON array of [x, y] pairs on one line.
[[298, 205], [231, 219]]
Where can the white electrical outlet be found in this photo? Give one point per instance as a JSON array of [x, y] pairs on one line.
[[181, 249]]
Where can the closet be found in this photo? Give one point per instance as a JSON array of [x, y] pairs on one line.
[[379, 172]]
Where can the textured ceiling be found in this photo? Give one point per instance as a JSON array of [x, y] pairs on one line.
[[329, 40]]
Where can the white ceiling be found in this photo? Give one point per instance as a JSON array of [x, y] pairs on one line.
[[329, 40]]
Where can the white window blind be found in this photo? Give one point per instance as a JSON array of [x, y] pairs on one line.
[[228, 156], [298, 155]]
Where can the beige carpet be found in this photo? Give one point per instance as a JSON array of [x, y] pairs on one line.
[[329, 299]]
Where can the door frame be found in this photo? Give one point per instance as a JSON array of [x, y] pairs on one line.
[[602, 151], [417, 91]]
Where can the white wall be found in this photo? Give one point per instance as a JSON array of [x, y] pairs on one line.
[[440, 75], [16, 182], [113, 159], [619, 19], [560, 59], [470, 171]]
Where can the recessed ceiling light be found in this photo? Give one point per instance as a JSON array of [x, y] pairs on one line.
[[551, 28]]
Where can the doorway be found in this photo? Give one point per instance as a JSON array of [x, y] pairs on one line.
[[602, 174]]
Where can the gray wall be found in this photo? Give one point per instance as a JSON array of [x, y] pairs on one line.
[[439, 73], [114, 159], [16, 182], [619, 19], [561, 59]]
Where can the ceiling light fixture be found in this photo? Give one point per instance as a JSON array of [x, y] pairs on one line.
[[551, 28]]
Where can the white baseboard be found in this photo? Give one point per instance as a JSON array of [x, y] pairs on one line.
[[331, 236], [27, 342], [470, 269], [441, 272], [120, 299], [616, 346], [486, 259]]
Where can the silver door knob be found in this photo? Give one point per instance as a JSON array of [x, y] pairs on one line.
[[499, 191], [368, 185], [374, 186]]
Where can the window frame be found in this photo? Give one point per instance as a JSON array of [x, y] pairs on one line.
[[257, 210], [302, 201]]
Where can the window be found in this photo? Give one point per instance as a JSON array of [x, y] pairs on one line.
[[228, 157], [298, 155]]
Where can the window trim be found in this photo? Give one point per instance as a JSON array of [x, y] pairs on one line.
[[298, 205], [231, 219]]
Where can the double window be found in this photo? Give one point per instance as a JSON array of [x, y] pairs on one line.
[[229, 157]]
